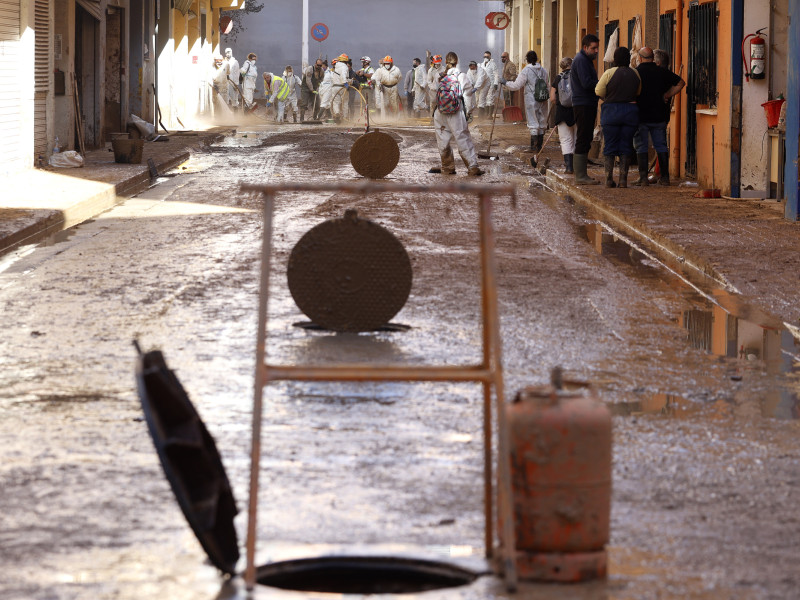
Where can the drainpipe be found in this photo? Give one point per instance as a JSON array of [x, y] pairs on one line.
[[737, 33], [791, 180], [677, 145]]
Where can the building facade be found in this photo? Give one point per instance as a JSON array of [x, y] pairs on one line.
[[74, 70], [719, 133]]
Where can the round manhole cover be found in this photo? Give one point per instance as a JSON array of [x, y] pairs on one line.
[[374, 155], [349, 274]]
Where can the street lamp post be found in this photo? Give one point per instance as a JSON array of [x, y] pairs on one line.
[[305, 34]]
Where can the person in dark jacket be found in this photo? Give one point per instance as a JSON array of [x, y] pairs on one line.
[[583, 78], [659, 85], [618, 87], [565, 119]]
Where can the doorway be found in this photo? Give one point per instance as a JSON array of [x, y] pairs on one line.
[[114, 72], [86, 67]]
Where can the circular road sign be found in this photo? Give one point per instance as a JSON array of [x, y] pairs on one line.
[[319, 31], [497, 20]]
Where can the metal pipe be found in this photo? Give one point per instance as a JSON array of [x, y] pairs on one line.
[[258, 393], [488, 502], [504, 501], [367, 372], [375, 187], [677, 146]]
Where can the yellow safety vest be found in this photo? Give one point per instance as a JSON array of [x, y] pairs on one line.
[[283, 90]]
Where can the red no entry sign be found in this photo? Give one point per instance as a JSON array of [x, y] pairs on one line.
[[319, 31], [497, 20]]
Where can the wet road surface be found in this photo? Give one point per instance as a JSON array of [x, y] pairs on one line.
[[706, 471]]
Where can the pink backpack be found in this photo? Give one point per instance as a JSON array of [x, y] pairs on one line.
[[448, 95]]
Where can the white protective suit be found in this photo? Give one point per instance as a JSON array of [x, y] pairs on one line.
[[486, 97], [219, 80], [479, 81], [449, 127], [325, 91], [339, 93], [249, 72], [432, 83], [386, 81], [294, 83], [536, 111], [233, 69], [419, 88]]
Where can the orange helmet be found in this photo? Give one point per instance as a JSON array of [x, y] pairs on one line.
[[436, 59], [343, 57], [388, 59]]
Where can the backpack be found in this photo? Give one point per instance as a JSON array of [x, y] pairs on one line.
[[540, 91], [448, 95], [564, 90]]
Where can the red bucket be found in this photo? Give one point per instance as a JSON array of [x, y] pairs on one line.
[[773, 110]]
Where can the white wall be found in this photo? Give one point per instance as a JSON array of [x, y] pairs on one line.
[[755, 145]]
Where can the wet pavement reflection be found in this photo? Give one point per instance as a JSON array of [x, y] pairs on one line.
[[718, 322]]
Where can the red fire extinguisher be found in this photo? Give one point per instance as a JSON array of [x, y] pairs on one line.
[[756, 68]]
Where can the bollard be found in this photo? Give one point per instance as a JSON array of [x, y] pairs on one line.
[[560, 445]]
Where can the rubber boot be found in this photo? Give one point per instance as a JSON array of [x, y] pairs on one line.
[[534, 143], [568, 164], [663, 165], [475, 171], [302, 115], [609, 166], [540, 141], [448, 163], [641, 161], [294, 117], [624, 163], [579, 164]]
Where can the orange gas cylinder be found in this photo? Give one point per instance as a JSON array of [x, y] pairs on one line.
[[560, 443]]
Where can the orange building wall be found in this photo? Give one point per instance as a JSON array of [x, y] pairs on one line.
[[623, 10], [721, 121]]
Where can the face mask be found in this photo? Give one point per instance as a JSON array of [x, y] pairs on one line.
[[288, 73], [388, 66], [486, 59]]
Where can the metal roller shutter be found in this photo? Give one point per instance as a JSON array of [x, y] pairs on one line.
[[10, 93], [42, 74]]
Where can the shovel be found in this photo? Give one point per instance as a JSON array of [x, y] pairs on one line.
[[535, 157], [488, 154]]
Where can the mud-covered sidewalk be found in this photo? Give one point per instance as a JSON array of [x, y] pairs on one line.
[[37, 203], [744, 245]]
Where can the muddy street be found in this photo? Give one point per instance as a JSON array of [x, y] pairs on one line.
[[706, 462]]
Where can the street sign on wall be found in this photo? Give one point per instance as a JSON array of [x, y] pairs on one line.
[[497, 20], [319, 31]]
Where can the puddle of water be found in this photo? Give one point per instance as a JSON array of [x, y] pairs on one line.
[[718, 322]]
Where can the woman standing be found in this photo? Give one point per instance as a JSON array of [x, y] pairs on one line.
[[618, 87], [565, 118]]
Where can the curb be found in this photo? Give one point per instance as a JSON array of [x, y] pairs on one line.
[[51, 221], [674, 255]]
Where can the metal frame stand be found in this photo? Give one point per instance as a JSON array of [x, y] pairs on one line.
[[489, 372]]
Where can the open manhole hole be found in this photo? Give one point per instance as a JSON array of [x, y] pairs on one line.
[[195, 472], [389, 327], [363, 575]]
